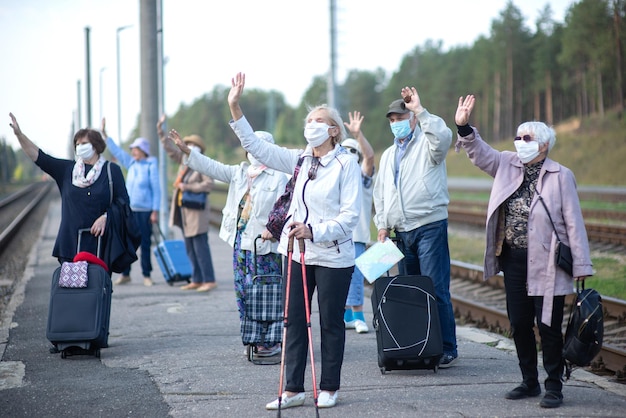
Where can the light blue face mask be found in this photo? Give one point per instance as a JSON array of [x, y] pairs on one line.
[[401, 129]]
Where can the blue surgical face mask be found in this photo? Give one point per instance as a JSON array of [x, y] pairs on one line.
[[401, 129]]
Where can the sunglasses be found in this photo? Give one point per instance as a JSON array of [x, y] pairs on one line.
[[352, 150], [314, 166], [526, 138]]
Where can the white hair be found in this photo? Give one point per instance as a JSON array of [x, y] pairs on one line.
[[540, 132]]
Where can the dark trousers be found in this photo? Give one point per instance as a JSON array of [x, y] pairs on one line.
[[523, 310], [142, 219], [332, 289], [199, 253]]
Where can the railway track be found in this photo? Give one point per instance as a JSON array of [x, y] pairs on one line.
[[598, 230], [15, 209], [483, 303]]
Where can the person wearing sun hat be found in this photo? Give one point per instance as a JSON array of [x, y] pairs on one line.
[[361, 149], [144, 190], [192, 221]]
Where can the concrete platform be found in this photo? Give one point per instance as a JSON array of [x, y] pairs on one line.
[[179, 353]]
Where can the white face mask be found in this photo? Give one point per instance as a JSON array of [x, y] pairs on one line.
[[253, 161], [85, 151], [316, 133], [194, 147], [527, 151]]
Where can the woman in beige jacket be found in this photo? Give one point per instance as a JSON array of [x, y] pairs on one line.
[[193, 222]]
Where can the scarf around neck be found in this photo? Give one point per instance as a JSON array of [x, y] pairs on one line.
[[78, 173]]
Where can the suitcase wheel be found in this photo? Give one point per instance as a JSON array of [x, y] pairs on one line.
[[63, 354], [383, 370], [250, 349]]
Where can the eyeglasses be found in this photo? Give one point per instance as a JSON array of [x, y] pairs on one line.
[[352, 150], [526, 138], [315, 163]]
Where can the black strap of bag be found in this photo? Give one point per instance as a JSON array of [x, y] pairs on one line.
[[549, 217], [563, 253]]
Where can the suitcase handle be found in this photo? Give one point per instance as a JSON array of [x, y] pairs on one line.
[[254, 255], [80, 234], [160, 232]]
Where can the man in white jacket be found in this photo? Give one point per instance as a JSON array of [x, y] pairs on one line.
[[411, 197]]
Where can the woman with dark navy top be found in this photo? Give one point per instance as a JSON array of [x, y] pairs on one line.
[[84, 187]]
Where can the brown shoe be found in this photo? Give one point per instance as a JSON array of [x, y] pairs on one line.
[[147, 281], [122, 280], [207, 287], [191, 286]]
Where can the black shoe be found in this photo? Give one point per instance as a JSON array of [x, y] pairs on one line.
[[448, 360], [523, 391], [551, 399]]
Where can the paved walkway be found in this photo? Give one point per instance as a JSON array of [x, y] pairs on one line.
[[178, 353]]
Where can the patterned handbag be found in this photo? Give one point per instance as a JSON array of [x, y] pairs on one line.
[[278, 215], [73, 275]]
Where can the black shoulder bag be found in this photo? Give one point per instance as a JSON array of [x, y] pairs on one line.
[[563, 255]]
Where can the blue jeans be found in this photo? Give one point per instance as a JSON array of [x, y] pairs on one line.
[[426, 253], [355, 294], [142, 219], [199, 254]]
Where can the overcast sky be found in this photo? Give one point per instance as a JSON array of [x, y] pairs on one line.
[[280, 45]]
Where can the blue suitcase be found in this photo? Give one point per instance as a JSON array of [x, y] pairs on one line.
[[173, 260], [78, 318]]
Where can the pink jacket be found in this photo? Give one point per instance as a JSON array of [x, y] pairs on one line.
[[557, 186]]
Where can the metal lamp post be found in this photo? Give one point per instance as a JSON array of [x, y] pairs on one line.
[[101, 115], [119, 95]]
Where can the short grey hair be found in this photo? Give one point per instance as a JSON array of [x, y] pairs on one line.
[[335, 119], [540, 132]]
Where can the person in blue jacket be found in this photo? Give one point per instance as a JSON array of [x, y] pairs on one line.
[[84, 187], [144, 190]]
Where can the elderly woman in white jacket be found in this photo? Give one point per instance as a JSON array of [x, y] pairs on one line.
[[323, 212], [253, 189]]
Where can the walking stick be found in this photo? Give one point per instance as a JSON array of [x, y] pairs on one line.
[[285, 324], [307, 309]]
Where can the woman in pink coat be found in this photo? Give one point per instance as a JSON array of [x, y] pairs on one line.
[[521, 243]]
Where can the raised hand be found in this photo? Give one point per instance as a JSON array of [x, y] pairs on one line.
[[355, 123], [237, 84], [160, 127], [412, 99], [174, 136], [464, 110], [14, 125], [103, 128]]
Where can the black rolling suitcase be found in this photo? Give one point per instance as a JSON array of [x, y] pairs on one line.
[[78, 317], [406, 321]]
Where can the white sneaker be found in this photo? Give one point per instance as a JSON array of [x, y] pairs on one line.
[[350, 324], [360, 326], [287, 402], [326, 400]]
